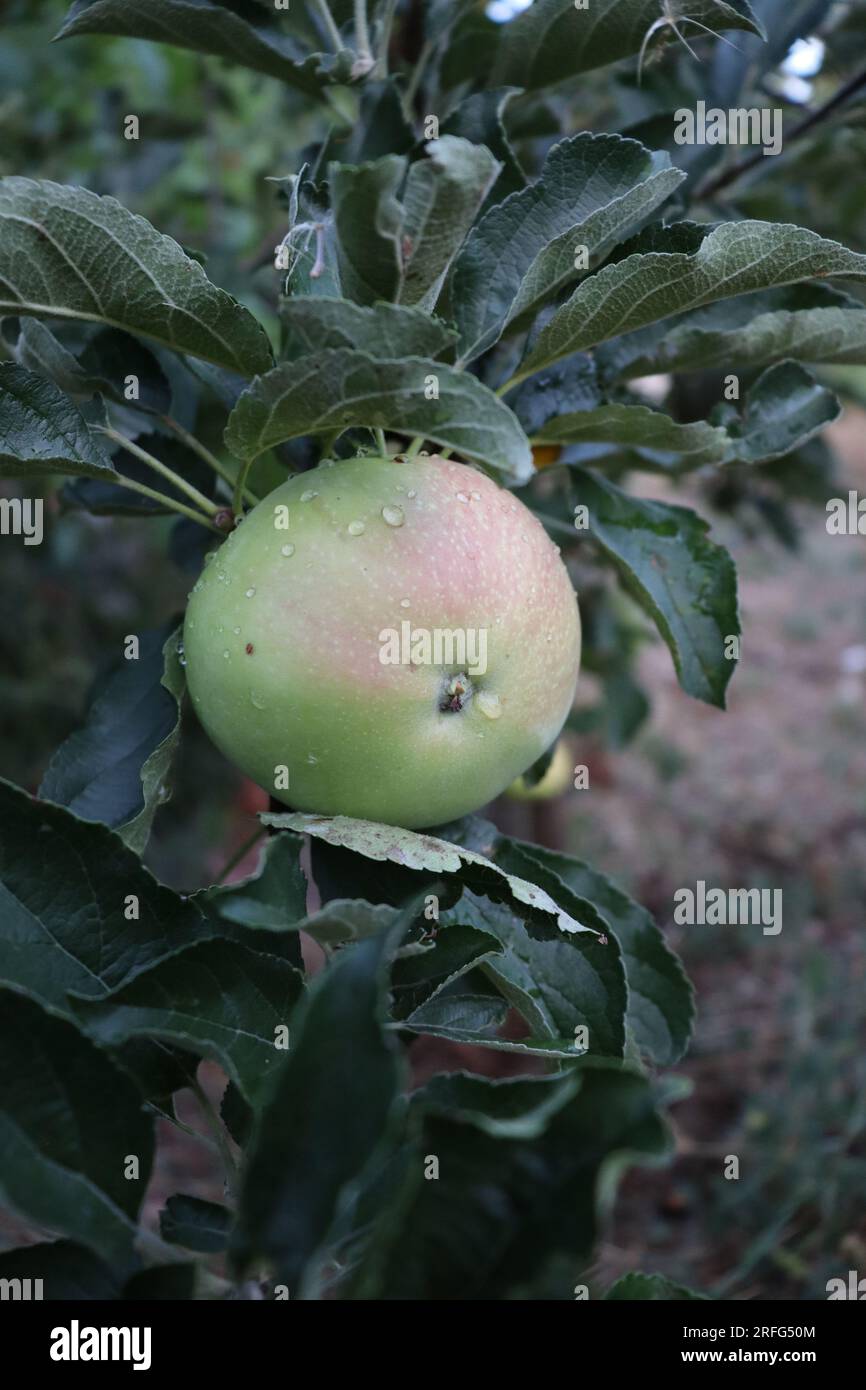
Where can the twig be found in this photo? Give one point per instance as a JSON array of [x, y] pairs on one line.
[[737, 170], [210, 508], [204, 453]]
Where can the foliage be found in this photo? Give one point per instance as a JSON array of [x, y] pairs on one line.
[[532, 269]]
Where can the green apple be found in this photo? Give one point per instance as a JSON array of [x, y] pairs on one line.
[[390, 638], [557, 779]]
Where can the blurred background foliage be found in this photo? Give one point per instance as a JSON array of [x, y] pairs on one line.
[[771, 793]]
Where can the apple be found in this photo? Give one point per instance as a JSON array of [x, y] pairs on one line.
[[557, 779], [389, 638]]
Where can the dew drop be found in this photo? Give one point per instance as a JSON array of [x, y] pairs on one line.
[[251, 593], [393, 516], [476, 496], [461, 497], [256, 699], [226, 655], [411, 493], [236, 631], [489, 705], [355, 528], [404, 603], [308, 495], [181, 659], [287, 550], [311, 758], [210, 557]]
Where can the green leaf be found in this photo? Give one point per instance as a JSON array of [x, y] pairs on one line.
[[566, 386], [273, 897], [100, 365], [811, 323], [339, 389], [685, 582], [327, 1115], [640, 427], [114, 769], [660, 1010], [65, 927], [424, 970], [218, 999], [368, 218], [650, 1286], [68, 253], [70, 1122], [556, 985], [435, 857], [314, 323], [683, 267], [592, 191], [480, 118], [552, 41], [195, 1224], [504, 1204], [783, 409], [440, 201], [42, 433], [244, 34]]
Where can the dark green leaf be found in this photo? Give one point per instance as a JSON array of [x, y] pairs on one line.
[[70, 1124], [114, 769], [592, 191], [218, 999], [683, 581], [41, 432], [340, 389], [67, 253], [313, 323], [327, 1115], [65, 927]]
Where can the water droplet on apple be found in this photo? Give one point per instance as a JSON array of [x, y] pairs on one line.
[[287, 550], [256, 699], [251, 593], [355, 528], [404, 603], [393, 516], [311, 758], [476, 496], [236, 631], [411, 493], [308, 495], [489, 705], [226, 655], [461, 497]]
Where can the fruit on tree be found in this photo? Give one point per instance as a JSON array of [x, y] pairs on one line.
[[389, 638], [557, 778]]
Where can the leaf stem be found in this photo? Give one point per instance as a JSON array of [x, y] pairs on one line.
[[384, 37], [217, 1129], [327, 18], [362, 32], [415, 80], [414, 447], [204, 453], [160, 497], [380, 441], [206, 505], [241, 853], [241, 487]]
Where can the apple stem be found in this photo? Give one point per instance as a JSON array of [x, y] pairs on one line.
[[205, 454]]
